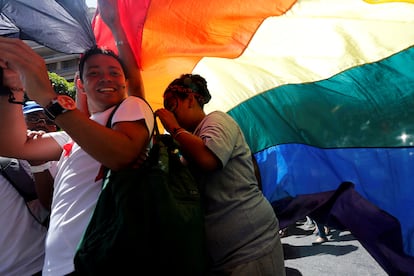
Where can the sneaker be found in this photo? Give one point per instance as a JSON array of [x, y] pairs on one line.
[[320, 240], [283, 232], [309, 221], [309, 226], [325, 228]]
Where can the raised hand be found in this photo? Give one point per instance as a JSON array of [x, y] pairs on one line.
[[108, 10], [24, 68]]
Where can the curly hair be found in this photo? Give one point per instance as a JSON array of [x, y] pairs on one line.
[[188, 83]]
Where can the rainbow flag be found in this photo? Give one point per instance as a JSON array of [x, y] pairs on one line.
[[323, 90]]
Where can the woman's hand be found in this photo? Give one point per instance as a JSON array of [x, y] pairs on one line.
[[167, 119]]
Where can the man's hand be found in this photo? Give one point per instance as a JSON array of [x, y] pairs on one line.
[[18, 58], [81, 99], [10, 78], [34, 134]]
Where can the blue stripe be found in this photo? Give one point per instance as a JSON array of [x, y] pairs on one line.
[[383, 176]]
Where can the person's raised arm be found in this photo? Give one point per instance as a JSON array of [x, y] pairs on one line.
[[114, 148], [108, 10]]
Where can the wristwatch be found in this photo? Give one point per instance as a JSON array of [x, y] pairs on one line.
[[59, 105]]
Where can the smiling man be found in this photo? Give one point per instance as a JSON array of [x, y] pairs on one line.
[[85, 143]]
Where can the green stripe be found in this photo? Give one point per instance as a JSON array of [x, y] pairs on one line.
[[366, 106]]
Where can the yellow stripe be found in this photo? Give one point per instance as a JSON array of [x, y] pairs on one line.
[[314, 40]]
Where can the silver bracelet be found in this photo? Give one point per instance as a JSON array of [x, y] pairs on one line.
[[40, 168], [121, 42]]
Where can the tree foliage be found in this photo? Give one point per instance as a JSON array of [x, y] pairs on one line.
[[61, 85]]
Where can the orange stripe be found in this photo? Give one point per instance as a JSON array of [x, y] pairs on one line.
[[178, 33]]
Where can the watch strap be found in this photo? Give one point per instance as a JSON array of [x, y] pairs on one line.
[[55, 108]]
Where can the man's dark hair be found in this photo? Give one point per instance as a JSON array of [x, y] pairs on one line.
[[95, 50]]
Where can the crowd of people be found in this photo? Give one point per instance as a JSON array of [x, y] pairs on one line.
[[66, 158]]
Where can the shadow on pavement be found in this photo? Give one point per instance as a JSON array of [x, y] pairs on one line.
[[335, 236], [297, 231], [330, 258], [292, 272], [294, 252]]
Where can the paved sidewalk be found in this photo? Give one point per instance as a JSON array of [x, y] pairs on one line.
[[342, 255]]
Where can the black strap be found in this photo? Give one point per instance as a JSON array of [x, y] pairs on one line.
[[17, 176], [109, 122], [14, 172], [154, 130]]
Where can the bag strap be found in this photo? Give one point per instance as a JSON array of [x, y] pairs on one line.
[[154, 130], [109, 122], [17, 176], [14, 172]]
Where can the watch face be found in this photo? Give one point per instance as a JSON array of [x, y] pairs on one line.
[[59, 105], [66, 102]]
